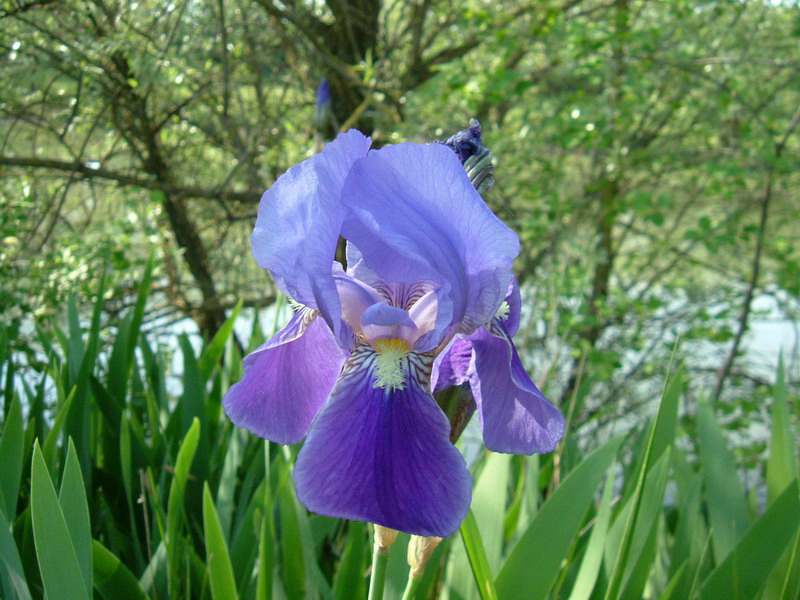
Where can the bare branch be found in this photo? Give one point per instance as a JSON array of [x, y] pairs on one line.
[[87, 172]]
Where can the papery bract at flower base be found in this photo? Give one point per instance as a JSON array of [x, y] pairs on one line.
[[429, 265]]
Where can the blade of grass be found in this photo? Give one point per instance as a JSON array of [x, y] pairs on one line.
[[227, 482], [744, 571], [138, 312], [266, 549], [294, 566], [489, 505], [112, 578], [214, 349], [726, 503], [782, 459], [781, 471], [488, 508], [266, 552], [72, 497], [193, 405], [477, 558], [12, 573], [551, 533], [50, 443], [593, 557], [673, 583], [349, 581], [659, 439], [220, 570], [175, 508], [644, 537], [58, 563], [12, 452]]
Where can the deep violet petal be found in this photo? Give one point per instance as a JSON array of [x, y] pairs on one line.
[[515, 416], [384, 456]]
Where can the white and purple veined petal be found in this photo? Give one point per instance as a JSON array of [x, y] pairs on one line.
[[383, 454], [414, 215], [298, 225], [286, 380]]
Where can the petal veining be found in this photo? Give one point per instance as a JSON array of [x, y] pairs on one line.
[[515, 416], [286, 380], [414, 216], [298, 225], [384, 456]]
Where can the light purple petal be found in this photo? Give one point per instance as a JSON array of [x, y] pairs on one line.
[[384, 456], [356, 297], [414, 215], [384, 321], [452, 365], [356, 266], [515, 416], [383, 314], [298, 224], [423, 314], [514, 299], [286, 381]]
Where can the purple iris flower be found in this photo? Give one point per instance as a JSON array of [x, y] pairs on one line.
[[428, 295]]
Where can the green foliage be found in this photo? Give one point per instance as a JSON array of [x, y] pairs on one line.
[[477, 558], [146, 523], [638, 146]]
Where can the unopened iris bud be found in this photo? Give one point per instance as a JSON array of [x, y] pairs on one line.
[[467, 142], [420, 550], [322, 105], [384, 537], [477, 159]]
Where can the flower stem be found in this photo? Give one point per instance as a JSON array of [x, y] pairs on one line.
[[411, 586], [377, 581]]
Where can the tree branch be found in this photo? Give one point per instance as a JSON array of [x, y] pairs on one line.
[[86, 172], [744, 317]]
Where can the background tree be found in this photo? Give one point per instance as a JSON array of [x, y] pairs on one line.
[[645, 154]]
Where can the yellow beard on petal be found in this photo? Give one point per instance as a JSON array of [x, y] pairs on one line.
[[389, 372]]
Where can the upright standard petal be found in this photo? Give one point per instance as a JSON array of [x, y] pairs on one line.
[[298, 224], [286, 381], [414, 215], [384, 456], [515, 416]]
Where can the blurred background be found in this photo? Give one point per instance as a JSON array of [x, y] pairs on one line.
[[646, 153]]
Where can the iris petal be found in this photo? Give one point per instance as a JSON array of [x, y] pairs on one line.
[[452, 366], [515, 416], [514, 300], [356, 297], [286, 381], [414, 215], [298, 224], [384, 456]]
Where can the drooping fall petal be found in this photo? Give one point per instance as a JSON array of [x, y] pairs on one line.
[[286, 380], [384, 456]]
